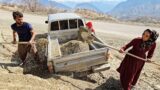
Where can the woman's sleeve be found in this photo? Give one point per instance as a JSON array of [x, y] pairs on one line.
[[151, 51], [93, 30], [129, 44]]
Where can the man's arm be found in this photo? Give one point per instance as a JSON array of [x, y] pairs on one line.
[[33, 36], [14, 37]]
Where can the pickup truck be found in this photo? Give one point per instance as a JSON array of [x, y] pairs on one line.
[[63, 27]]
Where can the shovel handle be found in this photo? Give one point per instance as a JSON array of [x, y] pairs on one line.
[[17, 43], [113, 48]]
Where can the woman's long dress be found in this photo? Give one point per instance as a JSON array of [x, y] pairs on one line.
[[131, 67]]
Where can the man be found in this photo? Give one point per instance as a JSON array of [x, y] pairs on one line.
[[26, 34]]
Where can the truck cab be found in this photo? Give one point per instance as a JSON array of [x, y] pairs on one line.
[[64, 21]]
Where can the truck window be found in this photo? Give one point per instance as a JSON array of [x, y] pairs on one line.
[[80, 23], [63, 24], [54, 26], [73, 23]]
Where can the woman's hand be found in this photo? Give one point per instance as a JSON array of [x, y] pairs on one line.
[[149, 60], [121, 50]]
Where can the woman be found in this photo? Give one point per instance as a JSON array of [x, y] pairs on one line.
[[131, 67], [90, 27]]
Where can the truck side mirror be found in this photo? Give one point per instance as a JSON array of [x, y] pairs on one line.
[[46, 22]]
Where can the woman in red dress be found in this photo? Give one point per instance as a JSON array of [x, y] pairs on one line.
[[131, 67]]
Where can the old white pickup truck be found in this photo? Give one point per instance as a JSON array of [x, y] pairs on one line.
[[63, 27]]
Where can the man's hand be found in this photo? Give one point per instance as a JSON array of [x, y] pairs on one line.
[[121, 50], [31, 42], [14, 42], [14, 38], [33, 37]]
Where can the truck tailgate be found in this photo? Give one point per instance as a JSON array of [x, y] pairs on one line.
[[80, 61]]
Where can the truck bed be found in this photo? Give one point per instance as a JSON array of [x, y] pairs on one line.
[[77, 62]]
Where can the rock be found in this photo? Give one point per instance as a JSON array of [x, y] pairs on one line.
[[96, 77], [147, 74], [156, 87]]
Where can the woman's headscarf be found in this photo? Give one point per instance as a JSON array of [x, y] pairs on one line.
[[153, 37]]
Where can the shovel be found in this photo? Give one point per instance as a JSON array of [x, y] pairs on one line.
[[113, 48]]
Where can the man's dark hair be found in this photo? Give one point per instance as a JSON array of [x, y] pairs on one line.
[[17, 14]]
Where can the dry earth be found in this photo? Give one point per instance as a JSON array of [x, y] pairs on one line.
[[12, 77]]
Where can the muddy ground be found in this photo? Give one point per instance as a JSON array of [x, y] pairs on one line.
[[13, 77]]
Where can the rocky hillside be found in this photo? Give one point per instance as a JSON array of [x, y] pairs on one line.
[[94, 15], [87, 6], [98, 5]]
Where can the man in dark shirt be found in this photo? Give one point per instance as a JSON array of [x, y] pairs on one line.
[[26, 34]]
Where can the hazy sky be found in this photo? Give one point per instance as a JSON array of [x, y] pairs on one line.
[[87, 0]]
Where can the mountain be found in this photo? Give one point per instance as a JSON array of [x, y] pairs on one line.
[[87, 6], [101, 6], [59, 5], [49, 3], [132, 9], [68, 5], [105, 6]]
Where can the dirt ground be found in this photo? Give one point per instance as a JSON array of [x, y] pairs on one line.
[[13, 78]]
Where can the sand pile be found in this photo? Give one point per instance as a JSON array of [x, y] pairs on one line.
[[74, 46], [85, 35], [42, 48], [31, 65]]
